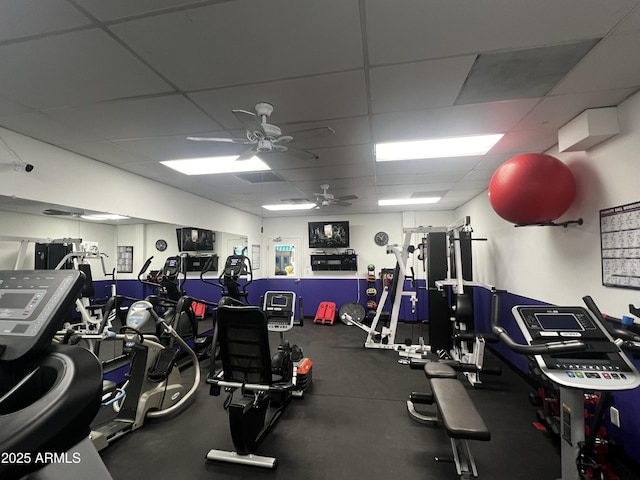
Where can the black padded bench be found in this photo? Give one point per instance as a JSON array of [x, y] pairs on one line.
[[455, 411]]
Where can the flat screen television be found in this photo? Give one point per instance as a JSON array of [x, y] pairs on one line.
[[195, 239], [329, 234]]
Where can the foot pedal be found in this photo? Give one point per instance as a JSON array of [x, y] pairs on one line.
[[163, 365]]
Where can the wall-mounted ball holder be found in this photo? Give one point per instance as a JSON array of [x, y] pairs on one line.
[[564, 224]]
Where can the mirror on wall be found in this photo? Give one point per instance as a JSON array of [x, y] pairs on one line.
[[119, 247]]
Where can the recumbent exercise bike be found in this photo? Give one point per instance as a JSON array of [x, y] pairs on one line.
[[265, 384]]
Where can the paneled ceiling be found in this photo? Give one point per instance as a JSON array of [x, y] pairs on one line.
[[124, 82]]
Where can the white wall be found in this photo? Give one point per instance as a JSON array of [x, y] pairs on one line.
[[64, 178], [555, 264], [362, 230]]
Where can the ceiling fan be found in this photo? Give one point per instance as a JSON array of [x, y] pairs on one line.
[[265, 137], [324, 199], [63, 213]]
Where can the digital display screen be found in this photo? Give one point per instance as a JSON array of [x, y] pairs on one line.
[[15, 300], [279, 301], [558, 321]]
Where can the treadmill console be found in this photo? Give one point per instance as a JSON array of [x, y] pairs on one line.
[[32, 307], [280, 310], [602, 366]]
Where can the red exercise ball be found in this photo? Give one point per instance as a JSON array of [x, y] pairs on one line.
[[532, 188]]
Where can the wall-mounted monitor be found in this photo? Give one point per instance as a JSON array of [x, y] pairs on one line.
[[195, 239], [329, 234]]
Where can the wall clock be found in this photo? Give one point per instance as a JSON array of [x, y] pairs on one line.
[[381, 238], [161, 245]]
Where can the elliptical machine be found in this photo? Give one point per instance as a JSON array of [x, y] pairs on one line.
[[48, 393], [233, 292], [171, 297], [154, 387]]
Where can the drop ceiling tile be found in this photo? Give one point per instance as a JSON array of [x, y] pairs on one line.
[[42, 127], [133, 118], [348, 131], [18, 18], [556, 110], [314, 98], [490, 163], [172, 147], [527, 73], [526, 141], [244, 42], [410, 188], [613, 63], [115, 9], [73, 68], [406, 30], [329, 172], [9, 107], [458, 166], [418, 85], [498, 117], [106, 152], [423, 179], [329, 157]]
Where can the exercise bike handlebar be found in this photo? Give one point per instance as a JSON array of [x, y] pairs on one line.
[[534, 349]]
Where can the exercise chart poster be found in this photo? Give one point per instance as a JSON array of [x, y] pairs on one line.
[[620, 246]]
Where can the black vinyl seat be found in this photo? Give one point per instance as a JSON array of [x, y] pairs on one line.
[[244, 344]]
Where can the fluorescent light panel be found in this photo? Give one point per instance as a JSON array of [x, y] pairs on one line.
[[408, 201], [104, 216], [214, 165], [290, 206], [436, 148]]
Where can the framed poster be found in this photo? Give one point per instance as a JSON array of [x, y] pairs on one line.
[[125, 259], [620, 246]]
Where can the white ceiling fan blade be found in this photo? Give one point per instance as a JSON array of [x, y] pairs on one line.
[[282, 139], [341, 204], [250, 121], [347, 197], [246, 155], [297, 200], [220, 139], [303, 154], [312, 133]]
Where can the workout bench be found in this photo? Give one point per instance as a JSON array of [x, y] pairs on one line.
[[455, 411]]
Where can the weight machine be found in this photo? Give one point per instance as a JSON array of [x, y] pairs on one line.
[[384, 338]]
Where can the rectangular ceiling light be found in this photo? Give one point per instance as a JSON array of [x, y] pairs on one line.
[[213, 165], [104, 216], [408, 201], [436, 148], [290, 206]]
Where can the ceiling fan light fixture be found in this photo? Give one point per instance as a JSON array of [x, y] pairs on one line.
[[408, 201], [215, 165], [436, 148], [290, 206]]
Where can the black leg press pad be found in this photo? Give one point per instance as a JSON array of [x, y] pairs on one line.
[[459, 415]]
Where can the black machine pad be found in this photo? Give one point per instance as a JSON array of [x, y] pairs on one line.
[[459, 415]]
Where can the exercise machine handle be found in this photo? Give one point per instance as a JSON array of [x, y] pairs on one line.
[[625, 335], [535, 349]]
